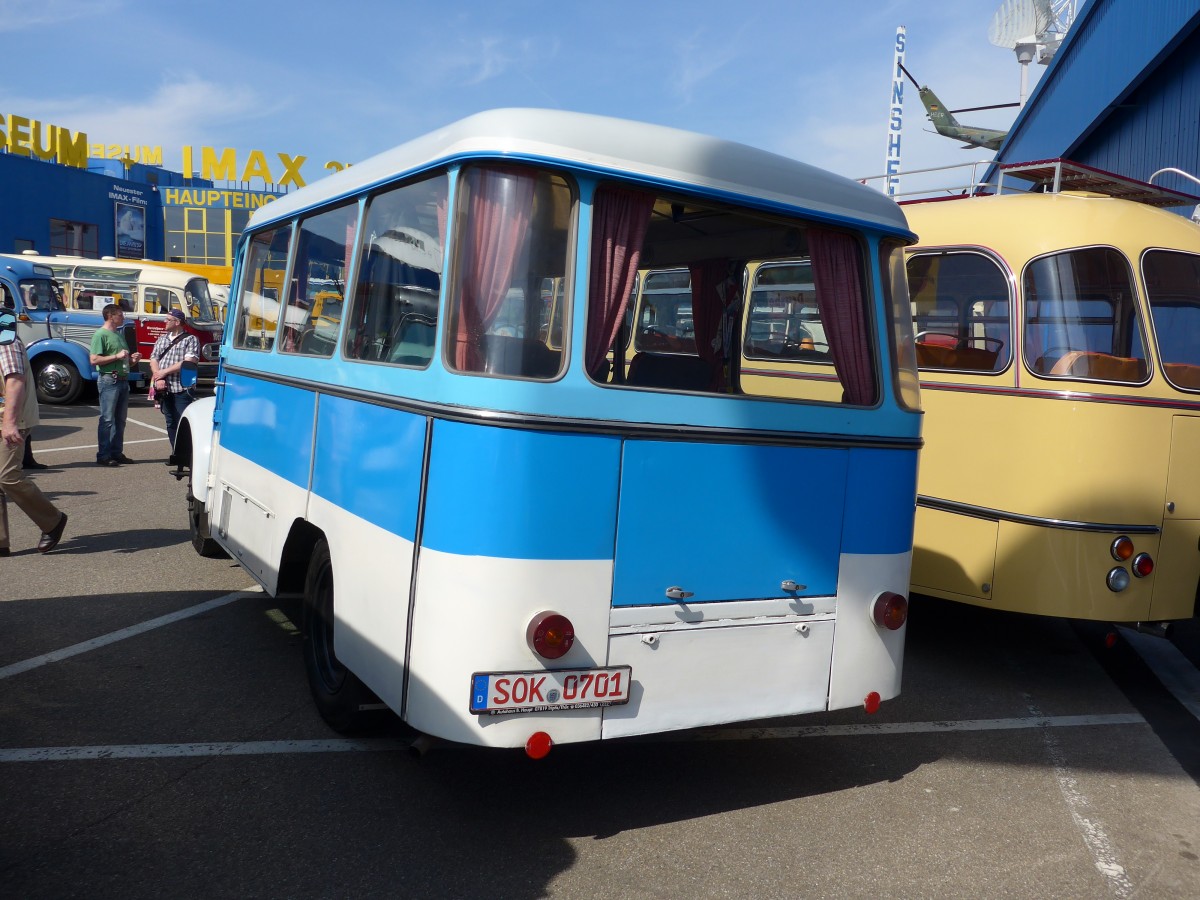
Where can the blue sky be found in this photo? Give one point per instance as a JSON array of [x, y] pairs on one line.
[[342, 81]]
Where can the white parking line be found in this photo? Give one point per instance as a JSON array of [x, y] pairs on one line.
[[1172, 668], [1083, 814], [1010, 724], [132, 631], [226, 748], [158, 440], [254, 748]]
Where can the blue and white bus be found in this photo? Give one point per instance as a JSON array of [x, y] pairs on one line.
[[500, 529]]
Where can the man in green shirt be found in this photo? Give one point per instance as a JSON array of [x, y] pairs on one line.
[[111, 356]]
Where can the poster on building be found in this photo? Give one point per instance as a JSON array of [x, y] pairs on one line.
[[131, 231]]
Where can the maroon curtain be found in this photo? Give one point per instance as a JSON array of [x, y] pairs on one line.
[[500, 206], [619, 221], [837, 276], [708, 306]]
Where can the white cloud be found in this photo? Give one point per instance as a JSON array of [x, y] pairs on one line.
[[18, 15], [480, 60], [184, 110], [699, 58]]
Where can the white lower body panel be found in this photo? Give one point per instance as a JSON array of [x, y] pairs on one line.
[[470, 616], [684, 678]]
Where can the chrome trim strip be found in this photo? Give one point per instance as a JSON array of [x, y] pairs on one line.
[[641, 430], [996, 515], [666, 616]]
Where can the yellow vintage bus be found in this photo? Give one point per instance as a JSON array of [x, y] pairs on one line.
[[1058, 343]]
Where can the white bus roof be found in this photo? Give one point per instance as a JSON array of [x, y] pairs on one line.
[[145, 272], [650, 152]]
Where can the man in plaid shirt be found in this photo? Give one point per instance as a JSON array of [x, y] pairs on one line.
[[172, 348], [20, 414]]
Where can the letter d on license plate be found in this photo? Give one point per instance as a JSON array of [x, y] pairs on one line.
[[497, 693]]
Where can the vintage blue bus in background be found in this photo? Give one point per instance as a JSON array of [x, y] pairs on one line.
[[504, 530], [56, 338]]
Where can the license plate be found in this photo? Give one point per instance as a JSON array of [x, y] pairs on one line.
[[500, 693]]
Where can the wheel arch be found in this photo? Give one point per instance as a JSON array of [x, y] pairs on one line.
[[196, 428], [297, 550], [49, 349]]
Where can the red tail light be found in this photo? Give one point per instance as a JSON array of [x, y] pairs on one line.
[[550, 635], [1143, 565], [871, 703], [890, 610]]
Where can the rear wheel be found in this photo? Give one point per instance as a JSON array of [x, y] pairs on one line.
[[58, 381], [344, 702]]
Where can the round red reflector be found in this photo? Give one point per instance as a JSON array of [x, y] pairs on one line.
[[871, 702], [1143, 565], [550, 635], [1121, 549], [538, 745], [1110, 640], [890, 610]]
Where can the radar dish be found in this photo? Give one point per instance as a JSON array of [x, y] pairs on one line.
[[1020, 22]]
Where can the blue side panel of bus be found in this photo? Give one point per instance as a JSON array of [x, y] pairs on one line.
[[516, 494], [727, 521], [269, 424], [881, 500], [369, 461]]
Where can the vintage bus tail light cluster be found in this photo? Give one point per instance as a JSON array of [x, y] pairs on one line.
[[890, 610], [1122, 550], [550, 635]]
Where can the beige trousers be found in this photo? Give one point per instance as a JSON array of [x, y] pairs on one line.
[[20, 490]]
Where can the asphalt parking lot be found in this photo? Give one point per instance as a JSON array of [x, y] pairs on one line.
[[157, 739]]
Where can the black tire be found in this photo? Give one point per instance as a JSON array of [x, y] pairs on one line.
[[57, 380], [344, 702], [199, 528]]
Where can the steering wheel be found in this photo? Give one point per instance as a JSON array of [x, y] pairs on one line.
[[655, 331]]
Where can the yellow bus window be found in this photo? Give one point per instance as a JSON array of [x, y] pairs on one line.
[[960, 312], [1082, 318]]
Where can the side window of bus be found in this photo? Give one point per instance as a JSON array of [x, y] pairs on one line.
[[783, 320], [95, 299], [158, 301], [264, 269], [324, 244], [1081, 317], [395, 311], [37, 294], [513, 231], [798, 292], [6, 297], [960, 312], [1173, 288]]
